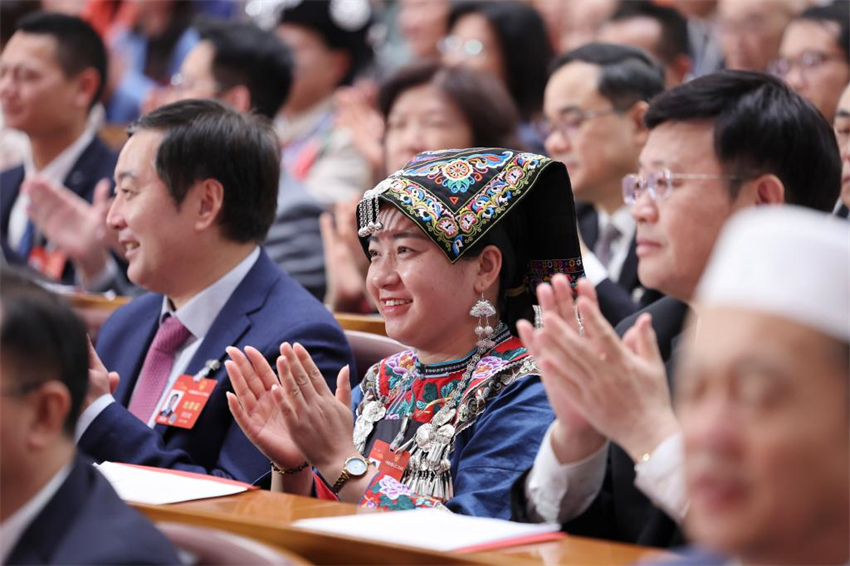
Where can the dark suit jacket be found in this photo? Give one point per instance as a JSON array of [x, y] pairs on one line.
[[87, 523], [615, 297], [621, 511], [267, 308], [95, 163]]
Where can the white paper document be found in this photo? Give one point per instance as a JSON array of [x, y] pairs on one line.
[[141, 484], [431, 529]]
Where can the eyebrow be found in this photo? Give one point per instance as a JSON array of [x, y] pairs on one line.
[[843, 113], [125, 175], [565, 109], [653, 163]]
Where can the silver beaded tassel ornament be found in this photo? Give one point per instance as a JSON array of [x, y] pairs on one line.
[[483, 310]]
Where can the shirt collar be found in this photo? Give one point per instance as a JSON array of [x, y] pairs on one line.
[[200, 312], [622, 219], [13, 528], [58, 169]]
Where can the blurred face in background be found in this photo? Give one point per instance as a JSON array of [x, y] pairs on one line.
[[842, 134], [582, 21], [37, 97], [751, 31], [472, 43], [763, 403], [598, 145], [423, 23], [813, 63], [318, 69], [423, 119]]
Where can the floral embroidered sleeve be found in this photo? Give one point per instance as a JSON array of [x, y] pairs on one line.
[[387, 493]]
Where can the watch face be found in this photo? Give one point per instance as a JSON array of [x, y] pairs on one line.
[[356, 467]]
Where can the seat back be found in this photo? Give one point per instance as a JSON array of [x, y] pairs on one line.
[[370, 348]]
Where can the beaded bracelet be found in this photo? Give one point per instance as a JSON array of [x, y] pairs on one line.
[[290, 471]]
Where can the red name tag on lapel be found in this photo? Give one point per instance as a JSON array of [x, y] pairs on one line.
[[49, 262], [391, 463], [185, 401]]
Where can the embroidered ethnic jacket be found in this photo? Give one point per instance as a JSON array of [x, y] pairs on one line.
[[502, 417]]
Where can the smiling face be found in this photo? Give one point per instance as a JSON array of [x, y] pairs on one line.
[[423, 297], [423, 119], [156, 235], [767, 446], [675, 236], [37, 97]]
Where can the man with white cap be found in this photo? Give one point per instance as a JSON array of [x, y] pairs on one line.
[[762, 395]]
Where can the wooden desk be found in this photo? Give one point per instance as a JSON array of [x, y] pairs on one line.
[[372, 323], [268, 516]]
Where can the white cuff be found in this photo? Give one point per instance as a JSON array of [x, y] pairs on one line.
[[594, 271], [91, 412], [558, 492], [662, 478], [103, 280]]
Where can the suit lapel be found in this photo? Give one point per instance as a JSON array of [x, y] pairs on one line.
[[10, 184], [588, 223], [81, 179], [628, 275]]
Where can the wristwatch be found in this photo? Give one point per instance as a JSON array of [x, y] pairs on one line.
[[354, 467]]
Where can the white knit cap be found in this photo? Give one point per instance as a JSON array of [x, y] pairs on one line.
[[787, 261]]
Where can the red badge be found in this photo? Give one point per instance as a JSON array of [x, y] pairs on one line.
[[391, 463], [49, 262], [184, 403]]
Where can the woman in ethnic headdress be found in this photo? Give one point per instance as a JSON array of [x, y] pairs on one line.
[[458, 241]]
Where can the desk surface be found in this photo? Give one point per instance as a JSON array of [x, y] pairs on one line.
[[268, 516]]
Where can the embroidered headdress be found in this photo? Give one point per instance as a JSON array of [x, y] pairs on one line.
[[461, 200]]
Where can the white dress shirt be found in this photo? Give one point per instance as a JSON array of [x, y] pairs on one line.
[[197, 316], [557, 493], [595, 271], [56, 171], [13, 528]]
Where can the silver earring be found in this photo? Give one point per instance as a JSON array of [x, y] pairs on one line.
[[483, 310]]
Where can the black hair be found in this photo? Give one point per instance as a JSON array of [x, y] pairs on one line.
[[674, 26], [761, 126], [41, 340], [78, 46], [627, 74], [524, 45], [481, 98], [247, 55], [207, 139], [839, 13]]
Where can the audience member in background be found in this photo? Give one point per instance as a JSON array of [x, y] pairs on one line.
[[581, 21], [508, 40], [815, 55], [462, 409], [52, 73], [55, 508], [197, 187], [842, 134], [763, 394], [425, 106], [594, 106], [423, 23], [703, 36], [661, 31], [148, 54], [14, 144], [751, 31], [330, 49], [611, 465]]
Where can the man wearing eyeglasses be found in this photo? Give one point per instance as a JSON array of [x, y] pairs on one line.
[[610, 465], [55, 508], [814, 57], [594, 104]]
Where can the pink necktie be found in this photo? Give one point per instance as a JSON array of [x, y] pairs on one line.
[[157, 367]]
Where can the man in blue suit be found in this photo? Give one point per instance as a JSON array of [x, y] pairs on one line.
[[52, 73], [196, 192], [55, 508]]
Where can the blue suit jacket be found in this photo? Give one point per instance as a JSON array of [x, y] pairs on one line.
[[267, 308], [87, 523], [95, 163]]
